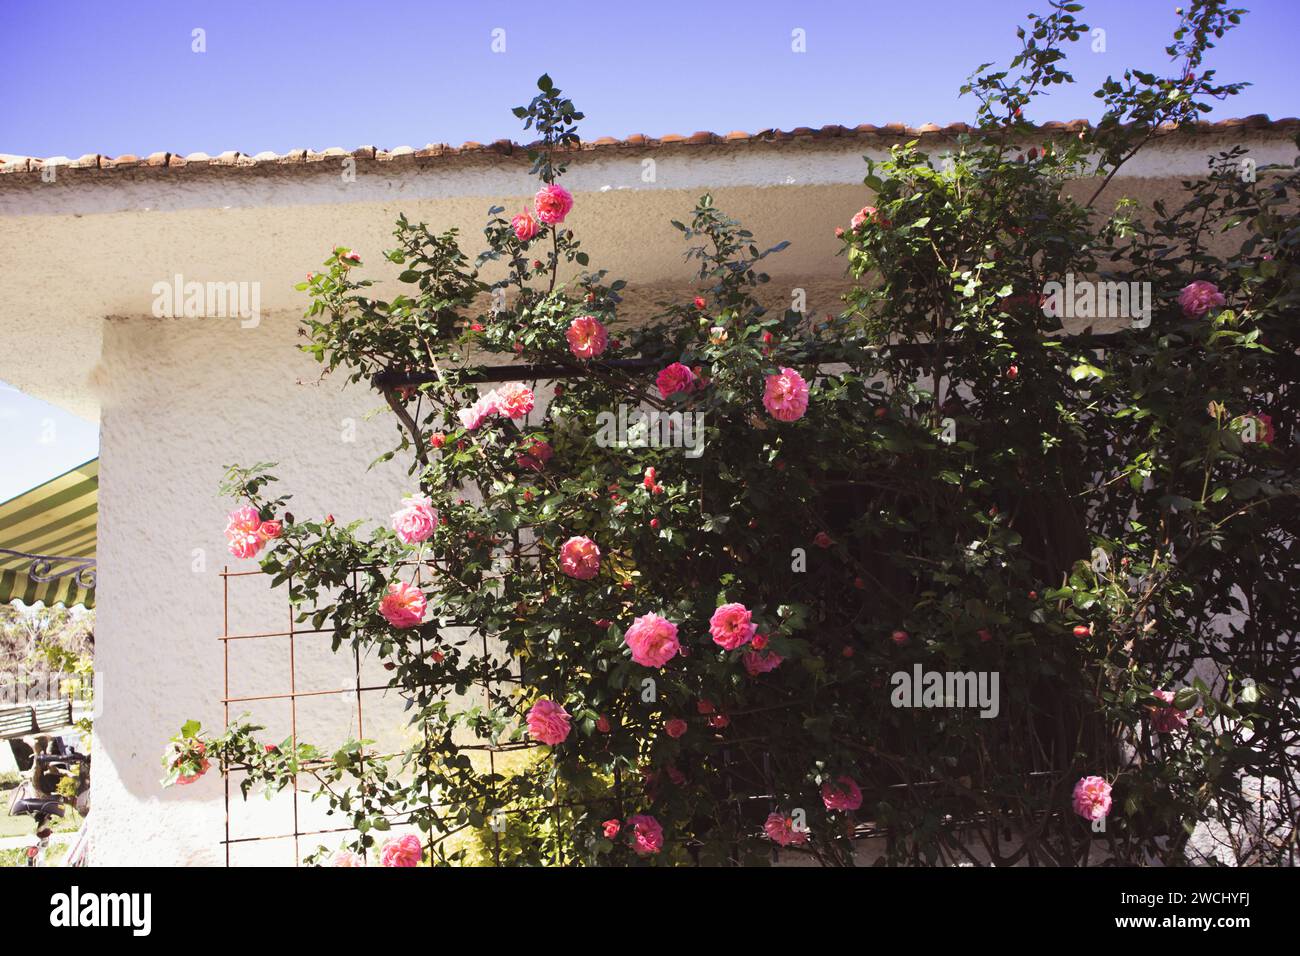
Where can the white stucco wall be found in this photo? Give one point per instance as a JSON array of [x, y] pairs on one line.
[[182, 399]]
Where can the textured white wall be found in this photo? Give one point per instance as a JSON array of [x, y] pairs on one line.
[[183, 398]]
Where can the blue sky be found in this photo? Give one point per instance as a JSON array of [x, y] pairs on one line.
[[121, 78], [115, 78], [39, 441]]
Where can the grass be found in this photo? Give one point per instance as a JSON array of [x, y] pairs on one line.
[[25, 825], [53, 856]]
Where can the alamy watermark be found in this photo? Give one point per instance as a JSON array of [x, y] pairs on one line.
[[205, 300], [933, 689], [631, 427], [1088, 299]]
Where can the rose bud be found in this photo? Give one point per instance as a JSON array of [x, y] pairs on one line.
[[699, 302], [602, 724], [1082, 630], [899, 637]]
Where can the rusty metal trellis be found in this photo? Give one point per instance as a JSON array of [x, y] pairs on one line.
[[291, 636]]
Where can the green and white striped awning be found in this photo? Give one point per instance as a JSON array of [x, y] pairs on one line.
[[47, 541]]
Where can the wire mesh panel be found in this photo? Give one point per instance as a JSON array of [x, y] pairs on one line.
[[289, 676]]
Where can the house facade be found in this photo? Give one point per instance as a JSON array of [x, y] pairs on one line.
[[156, 296]]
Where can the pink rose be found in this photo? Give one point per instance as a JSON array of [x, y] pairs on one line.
[[675, 727], [245, 519], [868, 213], [553, 203], [402, 851], [538, 454], [587, 337], [403, 605], [416, 520], [786, 395], [843, 794], [524, 225], [1167, 720], [647, 834], [580, 558], [780, 829], [548, 722], [761, 662], [244, 545], [823, 540], [675, 378], [484, 408], [347, 858], [731, 626], [611, 828], [653, 640], [514, 400], [1092, 798], [269, 529], [243, 536], [1200, 297]]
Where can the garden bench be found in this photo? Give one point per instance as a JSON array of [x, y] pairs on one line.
[[39, 718]]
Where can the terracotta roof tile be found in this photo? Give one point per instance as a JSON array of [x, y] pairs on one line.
[[889, 133]]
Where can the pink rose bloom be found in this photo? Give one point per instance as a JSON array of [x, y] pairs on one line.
[[244, 544], [514, 400], [242, 532], [780, 830], [675, 727], [647, 834], [553, 203], [786, 395], [731, 626], [843, 794], [416, 520], [402, 851], [761, 662], [1092, 798], [403, 605], [1167, 720], [867, 212], [245, 519], [269, 529], [673, 379], [548, 722], [580, 558], [524, 226], [587, 337], [347, 858], [1200, 297], [611, 828], [538, 454], [472, 418], [653, 640]]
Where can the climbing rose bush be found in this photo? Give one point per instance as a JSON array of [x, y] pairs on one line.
[[701, 651]]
